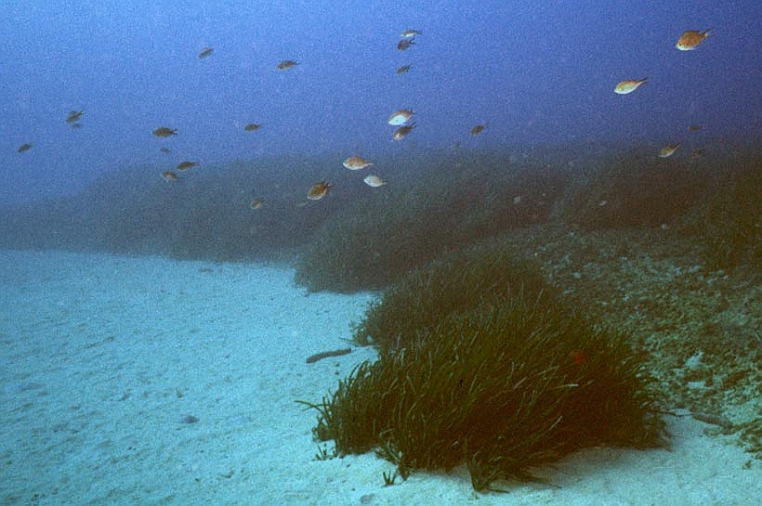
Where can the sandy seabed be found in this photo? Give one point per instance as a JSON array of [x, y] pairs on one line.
[[151, 381]]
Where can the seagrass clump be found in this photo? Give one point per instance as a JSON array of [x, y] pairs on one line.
[[456, 282], [502, 387]]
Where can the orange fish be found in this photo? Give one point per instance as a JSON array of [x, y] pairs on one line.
[[256, 204], [318, 190], [669, 150], [169, 176], [628, 86], [356, 163], [690, 39]]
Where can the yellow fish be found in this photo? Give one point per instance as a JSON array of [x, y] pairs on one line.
[[356, 163], [690, 39], [628, 86]]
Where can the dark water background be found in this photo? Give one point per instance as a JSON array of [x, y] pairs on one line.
[[537, 72]]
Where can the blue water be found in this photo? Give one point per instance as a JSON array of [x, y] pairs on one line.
[[537, 72]]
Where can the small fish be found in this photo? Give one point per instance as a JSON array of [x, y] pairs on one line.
[[318, 190], [165, 132], [206, 52], [287, 64], [74, 116], [628, 86], [252, 127], [407, 34], [24, 147], [405, 44], [403, 69], [479, 128], [165, 150], [403, 132], [400, 117], [256, 204], [695, 128], [668, 150], [690, 39], [356, 163], [374, 181], [76, 125], [186, 165], [170, 177], [696, 154]]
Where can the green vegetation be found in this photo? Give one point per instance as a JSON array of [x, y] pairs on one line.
[[501, 378], [728, 219], [456, 282], [633, 188], [437, 204]]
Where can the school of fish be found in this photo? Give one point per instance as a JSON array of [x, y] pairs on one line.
[[401, 119]]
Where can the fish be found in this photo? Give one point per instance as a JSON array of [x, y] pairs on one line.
[[256, 204], [628, 86], [356, 163], [165, 132], [286, 64], [374, 181], [407, 34], [318, 190], [403, 132], [403, 69], [668, 150], [206, 52], [74, 116], [696, 154], [76, 125], [400, 117], [186, 165], [695, 128], [165, 150], [252, 127], [690, 39], [170, 177], [479, 128], [24, 147], [405, 44]]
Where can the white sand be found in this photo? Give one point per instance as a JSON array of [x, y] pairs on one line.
[[102, 357]]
